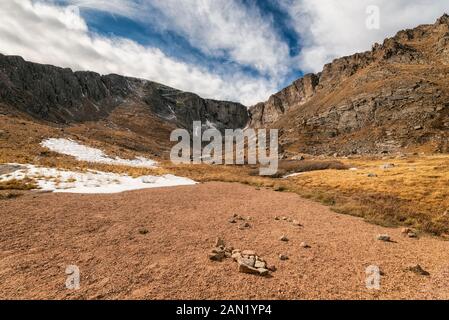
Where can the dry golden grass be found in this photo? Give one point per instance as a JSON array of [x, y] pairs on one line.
[[25, 184]]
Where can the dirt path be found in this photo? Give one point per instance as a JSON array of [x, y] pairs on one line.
[[104, 236]]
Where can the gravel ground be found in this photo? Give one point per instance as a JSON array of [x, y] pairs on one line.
[[153, 244]]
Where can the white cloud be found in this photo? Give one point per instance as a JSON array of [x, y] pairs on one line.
[[223, 28], [331, 29], [45, 33]]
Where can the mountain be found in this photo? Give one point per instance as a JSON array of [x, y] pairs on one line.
[[390, 99], [62, 96], [393, 98]]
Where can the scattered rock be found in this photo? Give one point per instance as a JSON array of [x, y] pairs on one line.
[[384, 237], [372, 175], [283, 238], [416, 268], [244, 226], [217, 254], [304, 245], [250, 263], [272, 268], [284, 218], [406, 231], [143, 231], [219, 243], [418, 128], [409, 233], [387, 166], [260, 264], [277, 218], [297, 223], [243, 268], [283, 257], [247, 260], [412, 234], [232, 220]]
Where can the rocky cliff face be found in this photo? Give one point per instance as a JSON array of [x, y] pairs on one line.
[[64, 97], [392, 98]]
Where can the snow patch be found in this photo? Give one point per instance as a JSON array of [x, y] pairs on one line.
[[93, 182], [93, 155], [292, 175]]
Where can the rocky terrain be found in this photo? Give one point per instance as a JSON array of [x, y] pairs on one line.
[[392, 98], [128, 248], [61, 96]]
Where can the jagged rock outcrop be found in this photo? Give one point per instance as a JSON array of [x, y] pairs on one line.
[[391, 98], [61, 96]]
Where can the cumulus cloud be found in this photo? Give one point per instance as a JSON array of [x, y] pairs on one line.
[[220, 28], [330, 29], [45, 33]]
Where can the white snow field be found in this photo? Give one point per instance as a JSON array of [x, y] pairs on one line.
[[94, 182], [84, 153]]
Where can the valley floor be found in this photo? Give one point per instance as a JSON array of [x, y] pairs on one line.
[[153, 244]]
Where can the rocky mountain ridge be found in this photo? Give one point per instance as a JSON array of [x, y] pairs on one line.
[[61, 96], [392, 98]]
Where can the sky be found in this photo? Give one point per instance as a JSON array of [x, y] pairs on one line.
[[238, 50]]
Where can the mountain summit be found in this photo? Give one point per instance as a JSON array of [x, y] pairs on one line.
[[391, 98]]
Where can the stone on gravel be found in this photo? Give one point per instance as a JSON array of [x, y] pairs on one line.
[[283, 238], [372, 175], [416, 268], [250, 263], [412, 235], [304, 245], [272, 268], [263, 272], [217, 255], [260, 264], [219, 243], [406, 231], [297, 223], [244, 226], [384, 237], [247, 260], [244, 268], [232, 220], [283, 257]]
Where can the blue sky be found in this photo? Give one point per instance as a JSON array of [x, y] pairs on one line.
[[240, 50], [179, 47]]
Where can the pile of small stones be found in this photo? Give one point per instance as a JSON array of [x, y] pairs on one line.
[[220, 251], [248, 261]]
